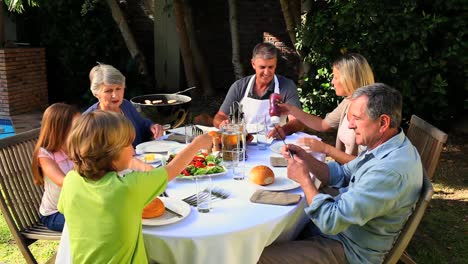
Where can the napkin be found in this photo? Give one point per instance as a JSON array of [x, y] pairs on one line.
[[277, 198], [278, 161]]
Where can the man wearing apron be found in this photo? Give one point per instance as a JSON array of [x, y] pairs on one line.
[[254, 91]]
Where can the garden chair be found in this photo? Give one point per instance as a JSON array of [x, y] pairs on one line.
[[20, 197], [428, 140], [398, 251]]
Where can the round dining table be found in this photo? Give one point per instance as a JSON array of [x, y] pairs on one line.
[[236, 230]]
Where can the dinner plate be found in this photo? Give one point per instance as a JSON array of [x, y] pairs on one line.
[[168, 218], [182, 177], [276, 147], [157, 146], [280, 184], [156, 158]]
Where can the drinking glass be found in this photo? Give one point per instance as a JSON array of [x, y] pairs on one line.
[[204, 188], [235, 162], [262, 131], [231, 137]]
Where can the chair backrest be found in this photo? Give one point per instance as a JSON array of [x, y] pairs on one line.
[[428, 140], [20, 198], [412, 224]]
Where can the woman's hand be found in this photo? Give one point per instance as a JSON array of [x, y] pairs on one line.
[[286, 109], [157, 130], [278, 133]]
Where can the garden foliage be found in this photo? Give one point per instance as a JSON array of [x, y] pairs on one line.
[[418, 47], [77, 34]]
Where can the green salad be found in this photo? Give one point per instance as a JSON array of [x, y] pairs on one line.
[[201, 164]]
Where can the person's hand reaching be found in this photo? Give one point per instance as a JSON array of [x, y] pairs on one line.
[[286, 108], [277, 133], [312, 144], [157, 130]]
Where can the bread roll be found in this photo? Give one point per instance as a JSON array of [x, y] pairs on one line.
[[154, 209], [262, 175]]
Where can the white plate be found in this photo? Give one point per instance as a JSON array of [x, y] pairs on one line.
[[179, 177], [276, 147], [157, 146], [280, 184], [168, 218], [157, 158]]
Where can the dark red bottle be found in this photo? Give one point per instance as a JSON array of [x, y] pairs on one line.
[[274, 110]]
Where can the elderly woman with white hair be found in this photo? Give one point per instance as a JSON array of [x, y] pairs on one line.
[[108, 86]]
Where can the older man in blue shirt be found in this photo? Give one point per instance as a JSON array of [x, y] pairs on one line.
[[382, 187]]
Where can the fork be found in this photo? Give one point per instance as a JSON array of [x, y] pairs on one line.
[[196, 131], [192, 200], [217, 193]]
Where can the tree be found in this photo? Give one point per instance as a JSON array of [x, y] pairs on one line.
[[16, 6], [127, 36], [239, 71]]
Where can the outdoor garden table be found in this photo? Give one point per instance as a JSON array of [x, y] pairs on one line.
[[235, 231]]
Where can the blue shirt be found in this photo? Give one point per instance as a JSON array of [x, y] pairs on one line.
[[142, 125], [380, 196]]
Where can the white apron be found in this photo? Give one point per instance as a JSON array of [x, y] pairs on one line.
[[255, 107]]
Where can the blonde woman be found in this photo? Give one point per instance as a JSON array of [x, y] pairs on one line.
[[350, 72]]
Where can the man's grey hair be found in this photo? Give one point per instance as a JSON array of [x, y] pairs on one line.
[[104, 74], [382, 99], [265, 50]]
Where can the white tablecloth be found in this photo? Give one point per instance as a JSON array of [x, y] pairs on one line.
[[236, 231]]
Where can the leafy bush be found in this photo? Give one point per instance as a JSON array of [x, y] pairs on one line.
[[76, 35], [414, 46]]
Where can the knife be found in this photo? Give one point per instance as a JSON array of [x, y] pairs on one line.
[[174, 212], [284, 142]]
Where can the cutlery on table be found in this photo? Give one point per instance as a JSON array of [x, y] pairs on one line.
[[173, 212], [217, 193], [284, 142], [196, 131]]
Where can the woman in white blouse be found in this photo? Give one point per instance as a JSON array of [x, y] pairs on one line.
[[350, 72]]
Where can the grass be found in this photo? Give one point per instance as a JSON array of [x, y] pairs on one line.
[[441, 237]]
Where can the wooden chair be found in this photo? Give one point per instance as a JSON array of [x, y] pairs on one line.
[[398, 251], [20, 198], [428, 140]]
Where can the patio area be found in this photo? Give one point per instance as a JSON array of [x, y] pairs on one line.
[[20, 123]]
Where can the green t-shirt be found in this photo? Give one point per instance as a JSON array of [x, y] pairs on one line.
[[104, 216]]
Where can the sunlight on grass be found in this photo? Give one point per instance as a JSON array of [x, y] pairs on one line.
[[10, 254], [442, 234]]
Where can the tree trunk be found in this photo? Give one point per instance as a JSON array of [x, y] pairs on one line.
[[201, 67], [186, 52], [289, 20], [239, 71], [295, 7], [2, 25], [292, 17], [127, 36]]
